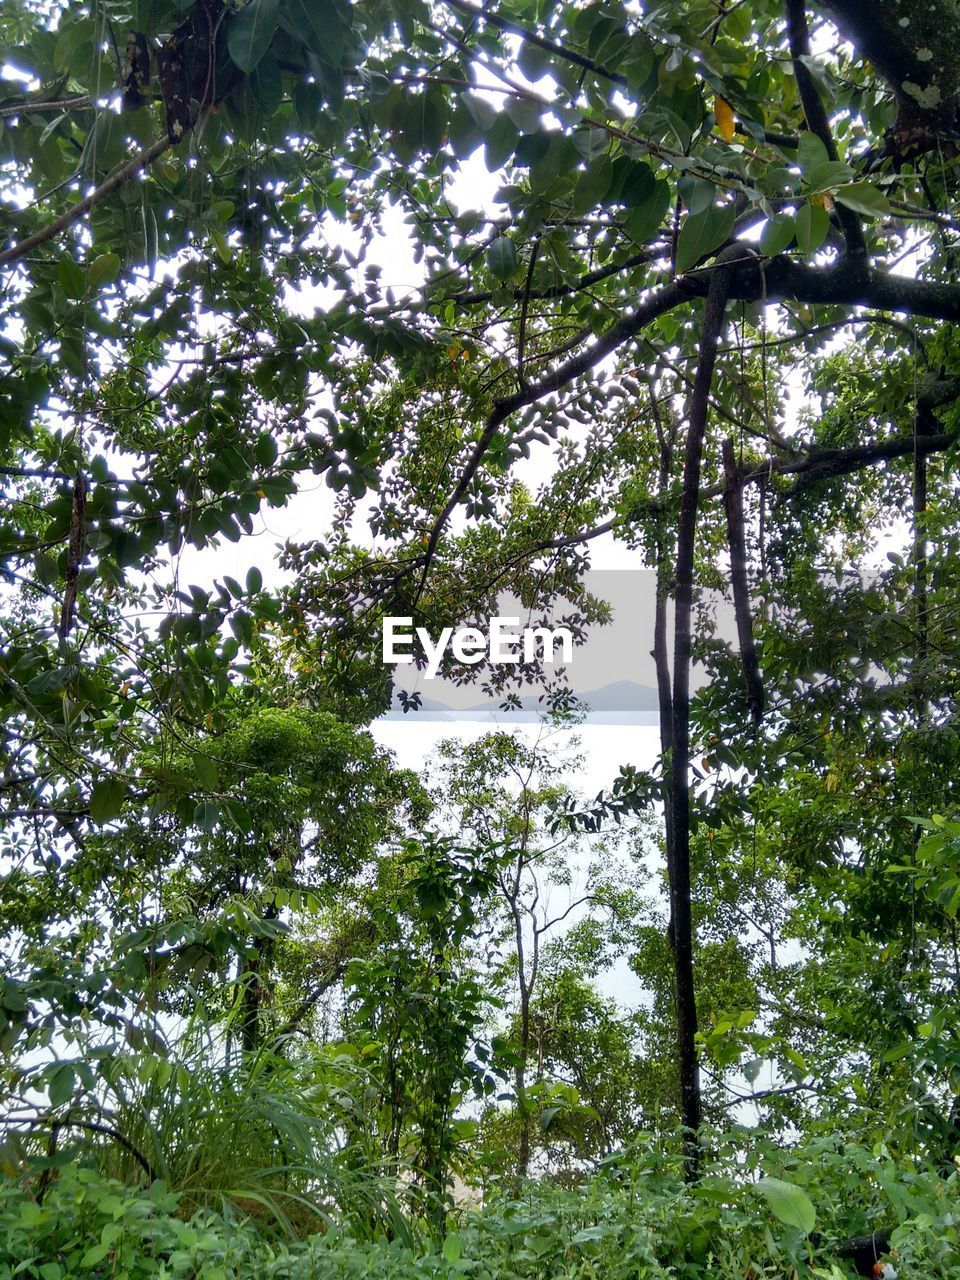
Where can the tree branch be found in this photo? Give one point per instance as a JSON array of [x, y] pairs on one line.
[[542, 42], [580, 60], [521, 338], [798, 35], [762, 1095], [90, 1126], [821, 464], [142, 160], [76, 548], [316, 992], [749, 278], [827, 463], [38, 473], [736, 540], [29, 106]]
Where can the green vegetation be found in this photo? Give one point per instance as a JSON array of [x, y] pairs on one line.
[[469, 295], [633, 1218]]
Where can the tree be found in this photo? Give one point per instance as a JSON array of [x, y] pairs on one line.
[[419, 1001], [693, 209], [507, 794]]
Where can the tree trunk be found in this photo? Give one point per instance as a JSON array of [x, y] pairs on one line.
[[256, 976], [679, 795], [520, 1078], [915, 47]]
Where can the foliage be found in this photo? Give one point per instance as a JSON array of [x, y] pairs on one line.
[[706, 311], [633, 1218], [90, 1226], [419, 1006], [259, 1134]]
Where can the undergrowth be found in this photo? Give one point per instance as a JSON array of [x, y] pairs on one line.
[[632, 1219]]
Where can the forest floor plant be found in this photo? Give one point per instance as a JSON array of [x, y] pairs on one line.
[[635, 1217], [243, 1135]]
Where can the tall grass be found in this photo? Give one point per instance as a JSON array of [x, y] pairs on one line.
[[252, 1134]]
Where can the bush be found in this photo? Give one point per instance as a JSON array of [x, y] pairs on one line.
[[633, 1220], [89, 1227]]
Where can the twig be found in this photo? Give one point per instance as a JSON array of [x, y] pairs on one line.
[[66, 219], [521, 337]]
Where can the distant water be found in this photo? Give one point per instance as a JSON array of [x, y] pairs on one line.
[[604, 746]]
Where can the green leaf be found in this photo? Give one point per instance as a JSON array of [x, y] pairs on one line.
[[863, 198], [502, 258], [96, 1253], [60, 1084], [586, 1235], [500, 143], [811, 153], [547, 1116], [452, 1248], [103, 270], [207, 770], [72, 279], [151, 237], [266, 85], [483, 112], [238, 815], [752, 1068], [224, 252], [250, 32], [789, 1204], [317, 24], [254, 580], [592, 185], [703, 233], [427, 121], [827, 176], [797, 1060], [206, 815], [696, 193], [106, 800], [777, 234], [524, 113], [638, 185], [265, 450], [646, 218], [812, 224]]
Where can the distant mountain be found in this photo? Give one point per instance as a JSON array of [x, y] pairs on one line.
[[623, 695], [430, 704], [622, 701], [429, 709]]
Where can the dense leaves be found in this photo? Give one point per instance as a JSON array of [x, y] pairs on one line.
[[422, 286]]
